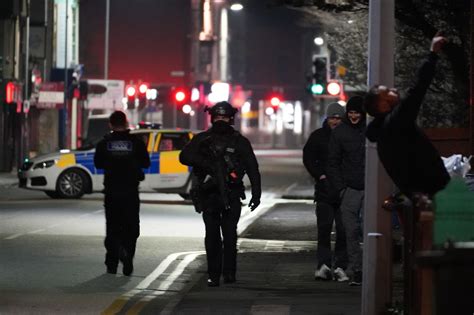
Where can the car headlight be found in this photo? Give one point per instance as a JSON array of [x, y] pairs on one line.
[[44, 164]]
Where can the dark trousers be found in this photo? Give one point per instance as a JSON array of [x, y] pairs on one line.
[[221, 251], [352, 214], [326, 215], [122, 225]]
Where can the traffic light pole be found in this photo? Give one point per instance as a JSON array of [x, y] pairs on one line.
[[377, 251], [24, 143]]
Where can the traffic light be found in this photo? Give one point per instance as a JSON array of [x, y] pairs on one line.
[[131, 92], [320, 74], [317, 89], [334, 87], [274, 101], [180, 96], [12, 93], [142, 89]]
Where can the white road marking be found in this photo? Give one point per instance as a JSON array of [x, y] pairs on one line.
[[11, 237], [164, 285], [274, 245], [120, 302], [36, 231]]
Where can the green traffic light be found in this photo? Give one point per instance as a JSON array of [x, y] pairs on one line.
[[317, 89]]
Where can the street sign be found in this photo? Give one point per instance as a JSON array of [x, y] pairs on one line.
[[105, 94], [51, 95]]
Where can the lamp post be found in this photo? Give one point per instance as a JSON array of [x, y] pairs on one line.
[[106, 49]]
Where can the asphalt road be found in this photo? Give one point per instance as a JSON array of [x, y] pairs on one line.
[[52, 250]]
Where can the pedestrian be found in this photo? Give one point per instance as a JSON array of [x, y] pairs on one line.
[[346, 171], [220, 157], [123, 157], [406, 153], [315, 155]]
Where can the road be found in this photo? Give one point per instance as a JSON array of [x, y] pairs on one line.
[[52, 250]]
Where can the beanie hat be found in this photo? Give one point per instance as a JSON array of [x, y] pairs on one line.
[[356, 103], [335, 110]]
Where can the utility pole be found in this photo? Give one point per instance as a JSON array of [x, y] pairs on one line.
[[64, 114], [471, 94], [377, 252], [106, 49], [24, 143]]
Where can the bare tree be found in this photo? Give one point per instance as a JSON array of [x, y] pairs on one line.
[[345, 24]]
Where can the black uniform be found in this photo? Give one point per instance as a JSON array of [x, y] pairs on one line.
[[122, 156], [205, 152], [407, 154], [315, 156]]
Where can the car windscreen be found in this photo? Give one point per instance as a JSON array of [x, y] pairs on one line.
[[173, 141]]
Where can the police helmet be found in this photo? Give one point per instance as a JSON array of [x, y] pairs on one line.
[[222, 109]]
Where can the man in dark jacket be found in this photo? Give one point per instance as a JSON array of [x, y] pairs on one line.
[[346, 171], [407, 154], [220, 158], [122, 156], [315, 155]]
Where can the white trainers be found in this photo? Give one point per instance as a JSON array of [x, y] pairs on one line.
[[340, 275], [323, 273]]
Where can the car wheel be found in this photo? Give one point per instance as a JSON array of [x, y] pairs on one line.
[[71, 184], [52, 193]]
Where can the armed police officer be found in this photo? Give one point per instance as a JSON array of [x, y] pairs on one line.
[[122, 156], [220, 158]]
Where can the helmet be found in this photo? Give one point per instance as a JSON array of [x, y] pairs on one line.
[[222, 109]]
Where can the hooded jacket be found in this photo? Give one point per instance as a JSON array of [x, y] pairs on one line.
[[315, 156], [346, 156], [407, 154]]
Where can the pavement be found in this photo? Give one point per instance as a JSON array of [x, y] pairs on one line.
[[8, 179], [275, 274]]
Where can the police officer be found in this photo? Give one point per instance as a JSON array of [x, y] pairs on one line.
[[220, 157], [122, 156]]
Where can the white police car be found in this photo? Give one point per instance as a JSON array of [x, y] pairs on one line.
[[71, 173]]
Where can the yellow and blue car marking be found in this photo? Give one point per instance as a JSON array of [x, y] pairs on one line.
[[160, 163]]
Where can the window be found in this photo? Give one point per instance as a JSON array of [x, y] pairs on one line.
[[173, 141]]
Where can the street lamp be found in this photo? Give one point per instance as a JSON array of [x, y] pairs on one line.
[[236, 7], [319, 41]]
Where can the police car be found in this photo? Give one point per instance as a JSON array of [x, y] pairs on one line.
[[71, 173]]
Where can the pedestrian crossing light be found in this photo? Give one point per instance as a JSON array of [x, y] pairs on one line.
[[317, 89], [141, 95], [131, 92], [320, 69], [334, 88]]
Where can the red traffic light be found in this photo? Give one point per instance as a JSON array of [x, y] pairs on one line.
[[10, 92], [334, 88], [143, 88], [131, 91], [180, 96], [275, 101]]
